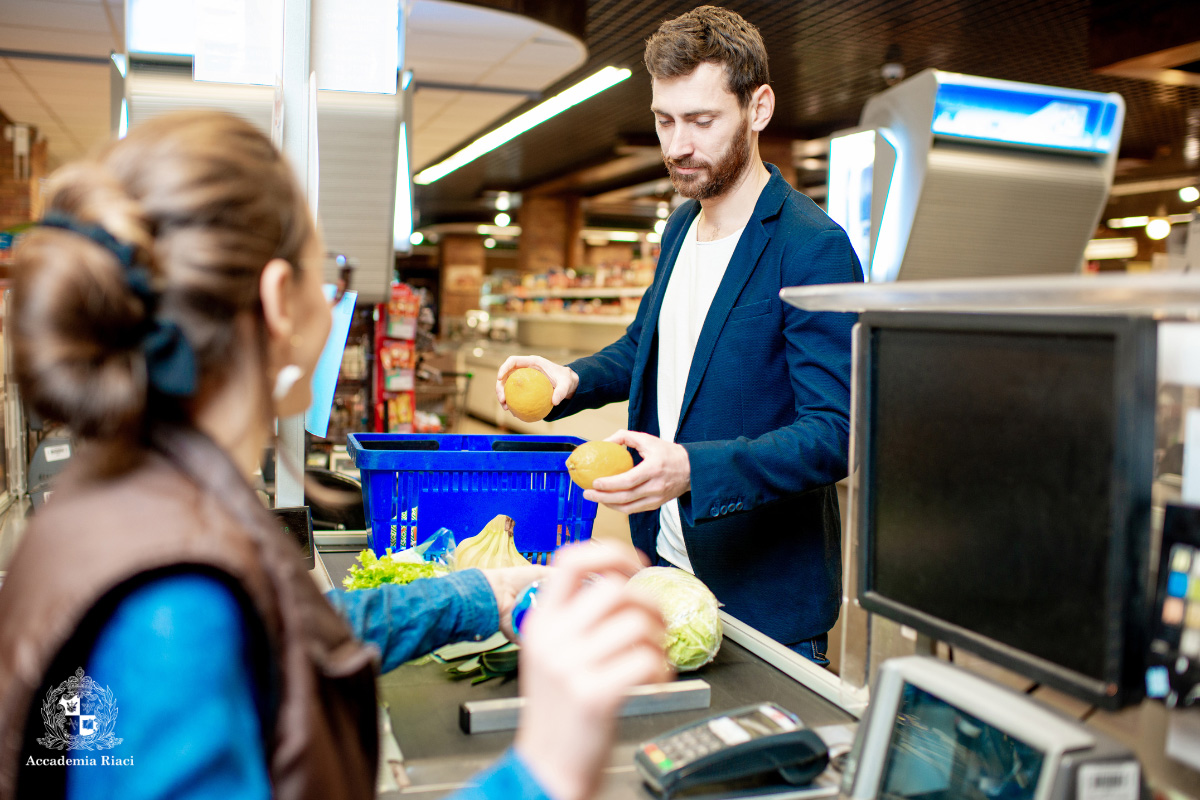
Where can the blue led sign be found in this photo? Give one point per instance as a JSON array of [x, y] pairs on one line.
[[1023, 114]]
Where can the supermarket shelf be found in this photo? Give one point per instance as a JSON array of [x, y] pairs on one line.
[[584, 319], [598, 294]]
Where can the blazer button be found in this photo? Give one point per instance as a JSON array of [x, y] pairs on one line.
[[724, 510], [716, 511], [738, 507]]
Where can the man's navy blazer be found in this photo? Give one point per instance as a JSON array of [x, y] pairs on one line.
[[765, 416]]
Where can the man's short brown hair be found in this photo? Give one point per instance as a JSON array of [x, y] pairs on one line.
[[712, 34]]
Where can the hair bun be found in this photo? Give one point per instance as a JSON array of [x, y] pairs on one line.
[[78, 323]]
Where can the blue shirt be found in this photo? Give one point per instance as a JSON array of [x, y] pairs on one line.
[[175, 656]]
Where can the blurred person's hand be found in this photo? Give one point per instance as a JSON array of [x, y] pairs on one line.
[[589, 641], [506, 584], [563, 379], [663, 474]]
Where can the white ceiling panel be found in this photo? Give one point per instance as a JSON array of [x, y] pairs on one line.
[[68, 103], [511, 74], [56, 14], [447, 43], [443, 119], [452, 43], [547, 53], [40, 40], [469, 22]]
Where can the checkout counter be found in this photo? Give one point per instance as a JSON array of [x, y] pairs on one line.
[[932, 731], [438, 757]]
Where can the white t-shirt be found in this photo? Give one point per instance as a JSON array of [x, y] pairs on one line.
[[690, 291]]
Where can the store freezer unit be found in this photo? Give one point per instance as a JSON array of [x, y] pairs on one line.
[[959, 176]]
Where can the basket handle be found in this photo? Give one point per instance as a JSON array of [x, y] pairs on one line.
[[510, 446]]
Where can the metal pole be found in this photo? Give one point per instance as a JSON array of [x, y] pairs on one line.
[[297, 66]]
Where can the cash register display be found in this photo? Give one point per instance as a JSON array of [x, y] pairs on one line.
[[939, 752]]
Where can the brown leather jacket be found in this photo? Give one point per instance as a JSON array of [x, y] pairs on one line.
[[184, 507]]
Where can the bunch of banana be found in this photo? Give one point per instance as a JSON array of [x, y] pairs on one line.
[[491, 547]]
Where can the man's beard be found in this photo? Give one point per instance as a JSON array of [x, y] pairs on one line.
[[720, 176]]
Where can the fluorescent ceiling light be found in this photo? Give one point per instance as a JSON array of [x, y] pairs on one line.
[[496, 230], [1101, 249], [1128, 222], [610, 235], [605, 78], [402, 222]]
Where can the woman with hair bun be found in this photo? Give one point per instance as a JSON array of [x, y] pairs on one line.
[[168, 309]]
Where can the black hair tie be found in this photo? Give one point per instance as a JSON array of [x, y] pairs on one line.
[[170, 359]]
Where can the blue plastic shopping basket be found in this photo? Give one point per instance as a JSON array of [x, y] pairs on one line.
[[414, 484]]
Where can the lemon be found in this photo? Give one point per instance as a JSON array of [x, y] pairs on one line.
[[528, 393], [593, 460]]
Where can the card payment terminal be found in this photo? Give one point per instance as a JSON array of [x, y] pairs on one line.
[[731, 746]]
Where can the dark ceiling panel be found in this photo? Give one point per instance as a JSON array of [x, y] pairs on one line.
[[825, 62]]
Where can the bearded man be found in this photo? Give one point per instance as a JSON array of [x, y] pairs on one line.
[[738, 403]]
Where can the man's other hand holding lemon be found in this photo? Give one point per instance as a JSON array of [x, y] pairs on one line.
[[663, 474]]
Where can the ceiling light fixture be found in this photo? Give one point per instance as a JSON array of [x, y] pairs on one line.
[[1158, 228], [416, 238], [1189, 194], [489, 243], [1104, 249], [402, 217], [503, 201], [660, 226], [605, 78], [503, 219], [1128, 222], [610, 234]]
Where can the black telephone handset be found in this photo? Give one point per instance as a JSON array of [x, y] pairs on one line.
[[731, 746]]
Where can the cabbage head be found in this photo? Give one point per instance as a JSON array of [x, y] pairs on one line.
[[690, 610]]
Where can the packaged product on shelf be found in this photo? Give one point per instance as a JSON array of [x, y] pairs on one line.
[[403, 308], [398, 411], [398, 360]]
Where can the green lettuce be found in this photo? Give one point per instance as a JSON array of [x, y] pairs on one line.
[[691, 612], [378, 571]]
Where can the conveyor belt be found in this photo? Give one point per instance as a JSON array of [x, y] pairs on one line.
[[423, 704]]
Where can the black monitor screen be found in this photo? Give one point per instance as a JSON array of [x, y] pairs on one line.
[[996, 480]]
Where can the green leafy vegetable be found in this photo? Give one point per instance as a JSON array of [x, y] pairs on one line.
[[378, 571], [691, 612]]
